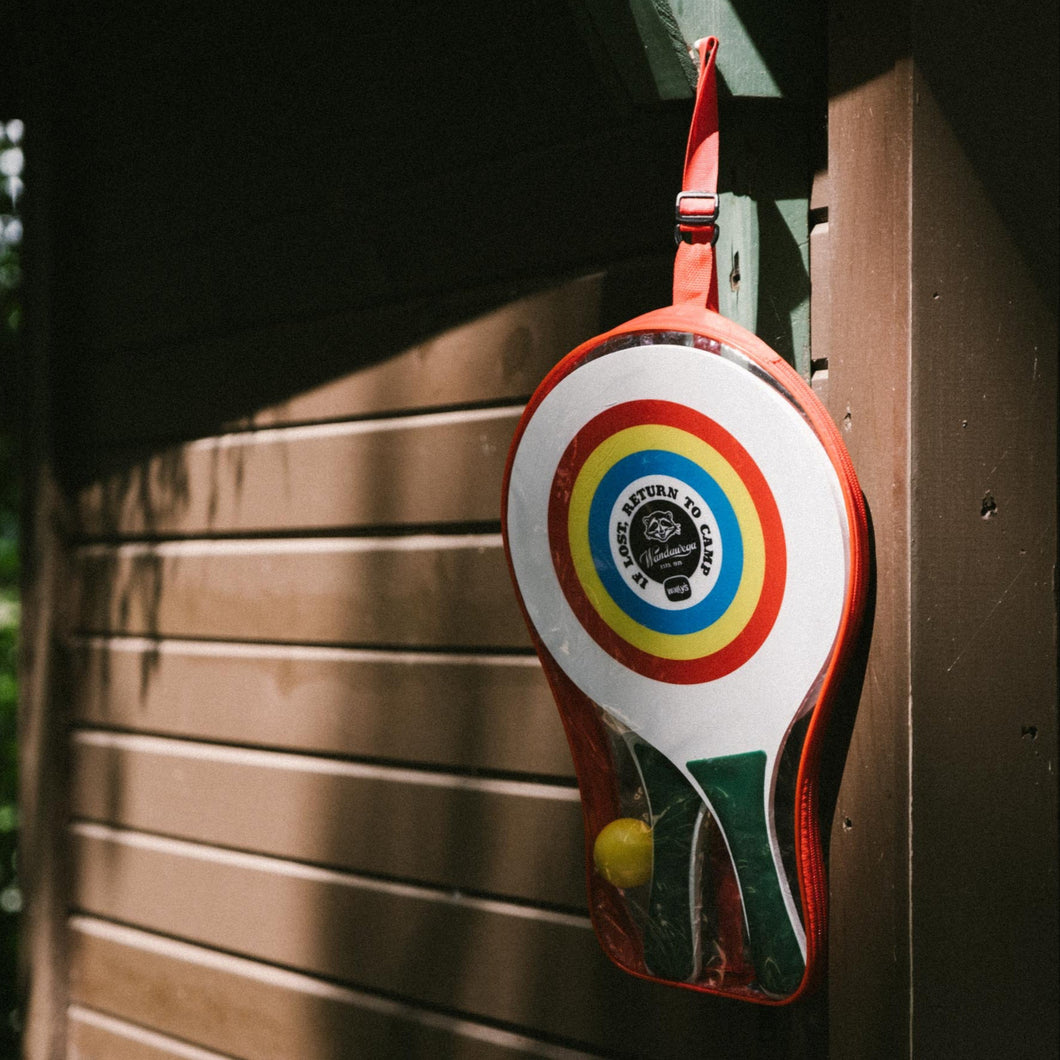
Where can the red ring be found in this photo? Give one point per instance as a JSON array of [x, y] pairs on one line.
[[751, 637]]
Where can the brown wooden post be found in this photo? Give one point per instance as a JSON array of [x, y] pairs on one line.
[[983, 932], [870, 348], [942, 370]]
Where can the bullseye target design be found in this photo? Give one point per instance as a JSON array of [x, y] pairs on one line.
[[675, 531], [667, 541]]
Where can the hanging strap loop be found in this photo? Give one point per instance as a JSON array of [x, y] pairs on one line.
[[697, 207]]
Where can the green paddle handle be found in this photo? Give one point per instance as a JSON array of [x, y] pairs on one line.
[[735, 786], [670, 941]]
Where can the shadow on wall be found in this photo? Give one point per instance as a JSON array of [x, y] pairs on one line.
[[233, 594], [287, 654], [1005, 125]]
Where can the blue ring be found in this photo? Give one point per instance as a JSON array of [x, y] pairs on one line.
[[718, 600]]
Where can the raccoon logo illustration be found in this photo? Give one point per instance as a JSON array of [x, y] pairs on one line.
[[660, 526]]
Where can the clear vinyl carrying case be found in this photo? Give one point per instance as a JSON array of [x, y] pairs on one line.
[[688, 542]]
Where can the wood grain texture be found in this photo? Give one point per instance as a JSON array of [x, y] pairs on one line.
[[539, 970], [464, 711], [512, 838], [869, 130], [255, 1011], [95, 1036], [441, 468], [984, 651], [417, 591], [435, 353]]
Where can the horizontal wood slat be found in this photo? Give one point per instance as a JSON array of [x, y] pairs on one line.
[[442, 468], [482, 712], [514, 838], [535, 969], [94, 1036], [419, 591], [484, 224], [258, 1012], [435, 353]]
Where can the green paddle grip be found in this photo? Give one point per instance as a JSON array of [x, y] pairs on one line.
[[735, 786], [670, 941]]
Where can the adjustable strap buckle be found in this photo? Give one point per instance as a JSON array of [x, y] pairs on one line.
[[694, 210]]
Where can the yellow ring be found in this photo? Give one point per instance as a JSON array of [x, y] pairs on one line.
[[670, 439]]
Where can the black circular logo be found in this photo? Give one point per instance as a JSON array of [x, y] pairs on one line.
[[665, 544]]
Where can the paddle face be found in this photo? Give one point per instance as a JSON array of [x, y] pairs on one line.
[[680, 540]]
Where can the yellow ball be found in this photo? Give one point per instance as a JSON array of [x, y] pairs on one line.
[[622, 852]]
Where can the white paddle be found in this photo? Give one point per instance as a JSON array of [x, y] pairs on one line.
[[680, 541]]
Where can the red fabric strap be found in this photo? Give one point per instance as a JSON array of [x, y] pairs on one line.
[[695, 274]]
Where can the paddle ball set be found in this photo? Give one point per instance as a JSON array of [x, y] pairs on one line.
[[688, 543]]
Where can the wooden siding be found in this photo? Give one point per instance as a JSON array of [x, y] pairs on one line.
[[254, 1010], [370, 704], [431, 590], [320, 800], [431, 352], [435, 947], [464, 832], [315, 768], [301, 681], [408, 471]]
